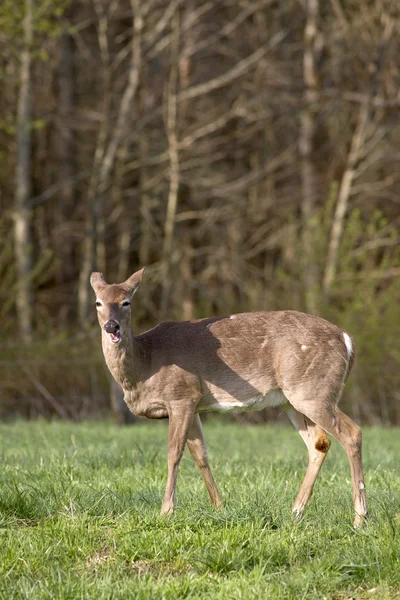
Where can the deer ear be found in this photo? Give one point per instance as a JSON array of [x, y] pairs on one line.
[[133, 282], [97, 281]]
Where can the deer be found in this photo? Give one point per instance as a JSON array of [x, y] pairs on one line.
[[236, 363]]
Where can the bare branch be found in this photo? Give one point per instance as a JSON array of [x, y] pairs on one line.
[[239, 69]]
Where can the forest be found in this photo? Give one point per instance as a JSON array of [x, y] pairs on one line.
[[246, 152]]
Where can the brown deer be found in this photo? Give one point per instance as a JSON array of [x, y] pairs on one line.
[[236, 363]]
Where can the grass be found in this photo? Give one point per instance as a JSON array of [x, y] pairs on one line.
[[80, 517]]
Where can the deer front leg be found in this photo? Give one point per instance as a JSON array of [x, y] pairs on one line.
[[197, 447], [179, 422]]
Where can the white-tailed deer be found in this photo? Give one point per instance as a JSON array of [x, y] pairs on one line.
[[235, 363]]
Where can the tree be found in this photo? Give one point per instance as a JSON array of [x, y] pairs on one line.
[[23, 212]]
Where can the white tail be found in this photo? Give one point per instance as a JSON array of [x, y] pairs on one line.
[[236, 363]]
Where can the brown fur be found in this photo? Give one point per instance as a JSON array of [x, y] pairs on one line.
[[322, 444], [238, 362]]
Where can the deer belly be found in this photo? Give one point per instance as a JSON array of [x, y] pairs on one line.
[[271, 399]]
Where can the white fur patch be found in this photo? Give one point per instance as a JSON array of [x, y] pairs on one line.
[[271, 399], [349, 343], [349, 346], [304, 347]]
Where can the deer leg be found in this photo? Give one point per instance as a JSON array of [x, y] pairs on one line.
[[197, 446], [336, 423], [179, 423], [318, 444], [349, 435]]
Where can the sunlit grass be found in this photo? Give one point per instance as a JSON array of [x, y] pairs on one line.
[[80, 516]]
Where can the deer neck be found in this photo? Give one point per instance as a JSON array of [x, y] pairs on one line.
[[124, 360]]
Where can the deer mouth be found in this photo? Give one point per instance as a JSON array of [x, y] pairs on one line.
[[115, 337]]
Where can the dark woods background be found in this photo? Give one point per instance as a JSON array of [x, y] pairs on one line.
[[246, 151]]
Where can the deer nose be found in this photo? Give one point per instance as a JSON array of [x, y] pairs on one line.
[[111, 326]]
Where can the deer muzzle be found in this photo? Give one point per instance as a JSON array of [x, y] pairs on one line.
[[113, 329]]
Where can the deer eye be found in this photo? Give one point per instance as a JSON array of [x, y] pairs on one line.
[[125, 304], [98, 303]]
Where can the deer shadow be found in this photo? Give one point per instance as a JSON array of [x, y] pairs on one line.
[[218, 358]]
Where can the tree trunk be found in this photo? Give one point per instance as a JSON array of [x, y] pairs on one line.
[[344, 196], [121, 412], [173, 169], [124, 221], [308, 171], [65, 151], [186, 274], [23, 212], [101, 179], [356, 148], [145, 209]]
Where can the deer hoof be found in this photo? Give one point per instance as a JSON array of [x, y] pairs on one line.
[[166, 511], [360, 521]]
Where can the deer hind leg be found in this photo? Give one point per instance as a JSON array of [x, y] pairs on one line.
[[332, 420], [197, 446], [179, 423], [318, 444]]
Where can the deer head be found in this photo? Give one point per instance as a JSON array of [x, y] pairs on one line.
[[113, 304]]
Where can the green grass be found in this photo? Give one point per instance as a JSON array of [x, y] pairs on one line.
[[80, 516]]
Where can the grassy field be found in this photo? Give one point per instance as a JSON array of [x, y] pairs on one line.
[[79, 516]]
